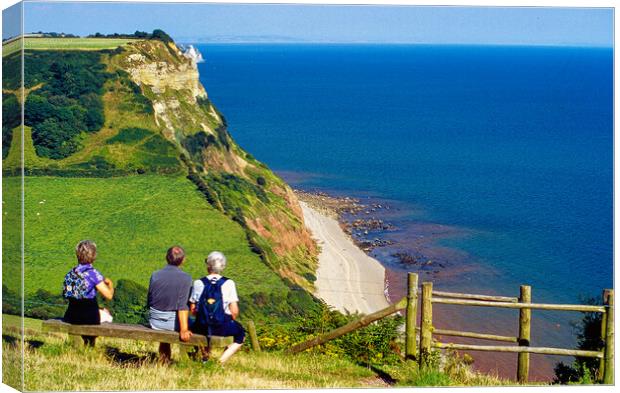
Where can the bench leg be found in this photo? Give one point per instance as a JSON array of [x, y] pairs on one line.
[[89, 341], [189, 350], [165, 353], [80, 341]]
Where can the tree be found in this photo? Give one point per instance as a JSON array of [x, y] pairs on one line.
[[161, 35], [37, 109]]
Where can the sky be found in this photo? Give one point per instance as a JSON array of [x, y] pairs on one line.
[[325, 23]]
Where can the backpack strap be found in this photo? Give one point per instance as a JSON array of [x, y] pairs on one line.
[[219, 282], [206, 282]]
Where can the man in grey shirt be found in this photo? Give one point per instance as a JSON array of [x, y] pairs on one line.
[[169, 291]]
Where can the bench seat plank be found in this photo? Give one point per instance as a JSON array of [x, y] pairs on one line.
[[131, 332]]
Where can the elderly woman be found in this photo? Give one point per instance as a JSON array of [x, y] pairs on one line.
[[80, 288], [214, 301]]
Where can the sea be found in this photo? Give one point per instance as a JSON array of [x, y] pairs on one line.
[[493, 165]]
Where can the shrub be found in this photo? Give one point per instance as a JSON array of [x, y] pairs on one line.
[[159, 34], [11, 303], [129, 303], [223, 137], [37, 109], [11, 118], [261, 181], [372, 345], [588, 338], [42, 304], [55, 139], [97, 162], [196, 143], [159, 145], [130, 136]]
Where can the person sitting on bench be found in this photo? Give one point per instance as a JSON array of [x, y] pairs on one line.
[[214, 301], [169, 291], [80, 288]]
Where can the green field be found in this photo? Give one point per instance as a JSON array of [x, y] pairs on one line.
[[65, 44], [133, 220]]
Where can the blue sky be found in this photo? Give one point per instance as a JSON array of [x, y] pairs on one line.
[[320, 23]]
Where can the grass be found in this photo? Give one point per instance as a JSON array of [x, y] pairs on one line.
[[14, 321], [114, 364], [133, 220], [64, 44], [13, 158], [52, 364]]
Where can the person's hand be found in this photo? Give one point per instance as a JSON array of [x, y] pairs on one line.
[[108, 282], [185, 335]]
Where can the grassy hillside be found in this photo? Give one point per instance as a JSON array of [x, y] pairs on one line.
[[140, 108], [133, 220]]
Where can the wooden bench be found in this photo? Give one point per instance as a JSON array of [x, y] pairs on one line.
[[131, 332]]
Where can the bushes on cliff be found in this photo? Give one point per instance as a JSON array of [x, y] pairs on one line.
[[42, 304], [69, 101], [129, 303], [11, 118], [161, 35], [130, 136], [375, 344], [196, 143]]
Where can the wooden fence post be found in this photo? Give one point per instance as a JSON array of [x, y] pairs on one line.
[[426, 330], [601, 364], [412, 315], [253, 336], [608, 373], [525, 320]]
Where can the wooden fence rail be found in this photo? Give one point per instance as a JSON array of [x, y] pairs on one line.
[[525, 306], [523, 303], [531, 306], [349, 327]]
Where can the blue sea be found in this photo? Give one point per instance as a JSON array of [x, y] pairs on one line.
[[497, 161]]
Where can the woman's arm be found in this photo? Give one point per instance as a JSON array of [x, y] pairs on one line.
[[106, 288], [234, 310]]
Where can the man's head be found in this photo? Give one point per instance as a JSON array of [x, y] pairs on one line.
[[175, 256], [216, 262], [86, 252]]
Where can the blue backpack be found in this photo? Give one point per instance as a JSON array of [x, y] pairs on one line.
[[75, 285], [211, 305]]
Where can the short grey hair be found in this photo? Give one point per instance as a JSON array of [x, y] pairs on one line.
[[86, 252], [216, 262]]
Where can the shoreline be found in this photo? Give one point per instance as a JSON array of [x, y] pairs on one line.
[[347, 278], [335, 224]]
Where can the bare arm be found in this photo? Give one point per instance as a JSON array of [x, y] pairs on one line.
[[106, 288], [184, 333], [234, 310]]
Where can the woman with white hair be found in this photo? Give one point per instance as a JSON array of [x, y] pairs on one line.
[[215, 303]]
